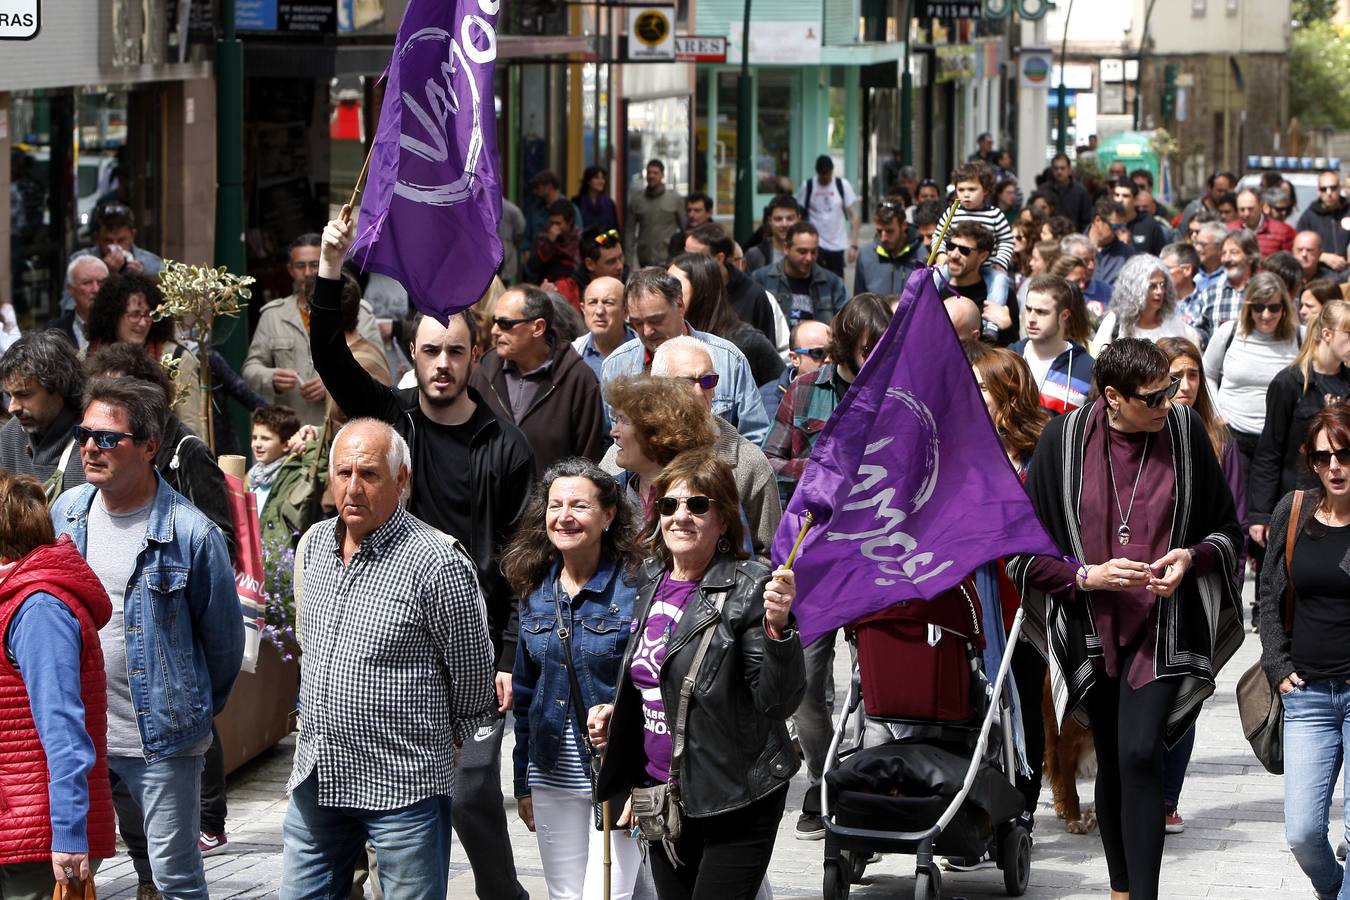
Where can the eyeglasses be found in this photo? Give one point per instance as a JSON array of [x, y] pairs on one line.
[[1157, 285], [1155, 399], [1119, 226], [953, 247], [103, 440], [1258, 308], [137, 314], [605, 238], [816, 353], [890, 204], [1320, 459], [704, 382], [504, 324], [1281, 211], [698, 505], [1327, 188]]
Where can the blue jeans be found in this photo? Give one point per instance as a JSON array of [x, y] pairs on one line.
[[322, 844], [1316, 732], [168, 794]]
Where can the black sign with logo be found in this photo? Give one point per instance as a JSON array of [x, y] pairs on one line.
[[307, 18], [949, 9]]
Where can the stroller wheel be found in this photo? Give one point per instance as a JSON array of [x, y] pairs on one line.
[[857, 865], [836, 881], [1014, 858], [928, 884]]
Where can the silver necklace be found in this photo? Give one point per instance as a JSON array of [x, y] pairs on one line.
[[1123, 532]]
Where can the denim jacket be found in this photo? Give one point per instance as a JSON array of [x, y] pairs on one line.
[[602, 617], [183, 622]]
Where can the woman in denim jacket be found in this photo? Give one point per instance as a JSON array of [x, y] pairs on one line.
[[571, 560]]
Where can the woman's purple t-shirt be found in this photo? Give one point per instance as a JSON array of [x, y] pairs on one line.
[[668, 605]]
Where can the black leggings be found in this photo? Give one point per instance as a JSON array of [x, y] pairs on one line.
[[1127, 727], [1028, 672]]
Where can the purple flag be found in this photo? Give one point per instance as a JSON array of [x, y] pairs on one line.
[[908, 482], [432, 202]]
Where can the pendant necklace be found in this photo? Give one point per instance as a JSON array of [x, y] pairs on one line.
[[1123, 532]]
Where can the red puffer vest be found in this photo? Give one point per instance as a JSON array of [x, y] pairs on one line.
[[25, 823]]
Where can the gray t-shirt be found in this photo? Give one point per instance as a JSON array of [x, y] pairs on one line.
[[114, 544]]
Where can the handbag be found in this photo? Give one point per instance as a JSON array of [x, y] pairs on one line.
[[1259, 705], [56, 482], [579, 713], [79, 890], [658, 809]]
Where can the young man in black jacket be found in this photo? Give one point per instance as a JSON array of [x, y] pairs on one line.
[[471, 478]]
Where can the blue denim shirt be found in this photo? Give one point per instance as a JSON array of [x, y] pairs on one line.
[[602, 619], [184, 625]]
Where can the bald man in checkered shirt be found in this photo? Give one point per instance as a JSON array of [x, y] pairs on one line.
[[397, 673]]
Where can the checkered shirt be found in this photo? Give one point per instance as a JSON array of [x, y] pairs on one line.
[[806, 406], [1206, 310], [397, 665]]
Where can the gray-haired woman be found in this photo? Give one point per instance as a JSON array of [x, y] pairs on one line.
[[1143, 305]]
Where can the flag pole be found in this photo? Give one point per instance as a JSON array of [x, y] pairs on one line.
[[360, 184], [937, 244], [604, 815], [801, 536]]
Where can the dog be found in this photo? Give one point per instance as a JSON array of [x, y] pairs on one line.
[[1069, 755]]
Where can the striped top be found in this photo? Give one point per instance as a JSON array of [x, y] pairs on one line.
[[992, 218], [569, 772]]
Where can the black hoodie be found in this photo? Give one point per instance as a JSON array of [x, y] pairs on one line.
[[1329, 225]]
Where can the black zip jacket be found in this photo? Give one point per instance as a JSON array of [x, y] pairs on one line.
[[736, 742], [1277, 465], [501, 464]]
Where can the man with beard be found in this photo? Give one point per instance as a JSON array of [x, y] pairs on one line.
[[45, 383], [278, 364], [885, 264], [471, 477], [1210, 308]]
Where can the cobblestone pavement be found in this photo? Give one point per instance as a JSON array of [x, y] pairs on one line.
[[1233, 846]]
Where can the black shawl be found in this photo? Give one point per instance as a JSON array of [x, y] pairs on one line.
[[1199, 626]]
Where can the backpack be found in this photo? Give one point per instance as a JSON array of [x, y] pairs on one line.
[[811, 183]]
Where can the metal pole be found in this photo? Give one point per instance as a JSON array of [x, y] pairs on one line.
[[745, 157], [907, 91], [1139, 64], [229, 243], [1063, 111]]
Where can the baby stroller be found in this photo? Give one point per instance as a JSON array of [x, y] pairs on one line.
[[942, 788]]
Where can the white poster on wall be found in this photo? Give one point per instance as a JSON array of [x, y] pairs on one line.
[[777, 42]]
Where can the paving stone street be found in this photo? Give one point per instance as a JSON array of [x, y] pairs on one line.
[[1233, 846]]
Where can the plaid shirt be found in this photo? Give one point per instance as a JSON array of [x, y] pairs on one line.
[[397, 666], [802, 413], [1208, 309]]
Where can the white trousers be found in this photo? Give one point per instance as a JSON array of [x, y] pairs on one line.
[[573, 851]]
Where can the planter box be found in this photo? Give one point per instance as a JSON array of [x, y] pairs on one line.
[[261, 709]]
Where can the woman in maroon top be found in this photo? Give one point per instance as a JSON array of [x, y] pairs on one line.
[[1141, 611]]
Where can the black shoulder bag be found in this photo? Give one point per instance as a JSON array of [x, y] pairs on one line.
[[579, 713]]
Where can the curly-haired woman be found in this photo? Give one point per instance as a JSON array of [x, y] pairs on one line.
[[1143, 305]]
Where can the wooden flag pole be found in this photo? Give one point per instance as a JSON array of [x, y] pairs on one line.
[[360, 185], [801, 536], [937, 244], [604, 813]]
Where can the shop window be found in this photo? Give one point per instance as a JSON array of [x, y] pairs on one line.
[[773, 150], [659, 129]]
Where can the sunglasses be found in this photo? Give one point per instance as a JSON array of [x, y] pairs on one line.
[[1258, 308], [1281, 210], [704, 382], [698, 505], [816, 353], [604, 239], [889, 204], [103, 440], [1327, 188], [1120, 227], [953, 247], [1155, 399], [504, 324], [1320, 459]]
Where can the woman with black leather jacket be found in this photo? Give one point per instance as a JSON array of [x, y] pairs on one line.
[[732, 776]]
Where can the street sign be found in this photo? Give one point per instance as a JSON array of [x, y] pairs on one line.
[[1033, 66], [651, 33], [695, 48], [286, 16], [20, 20]]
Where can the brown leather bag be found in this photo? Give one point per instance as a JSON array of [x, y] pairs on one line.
[[80, 890], [1259, 705]]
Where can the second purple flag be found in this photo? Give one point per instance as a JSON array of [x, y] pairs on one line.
[[908, 483], [432, 203]]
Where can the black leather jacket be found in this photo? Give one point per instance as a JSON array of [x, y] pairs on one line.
[[736, 741]]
